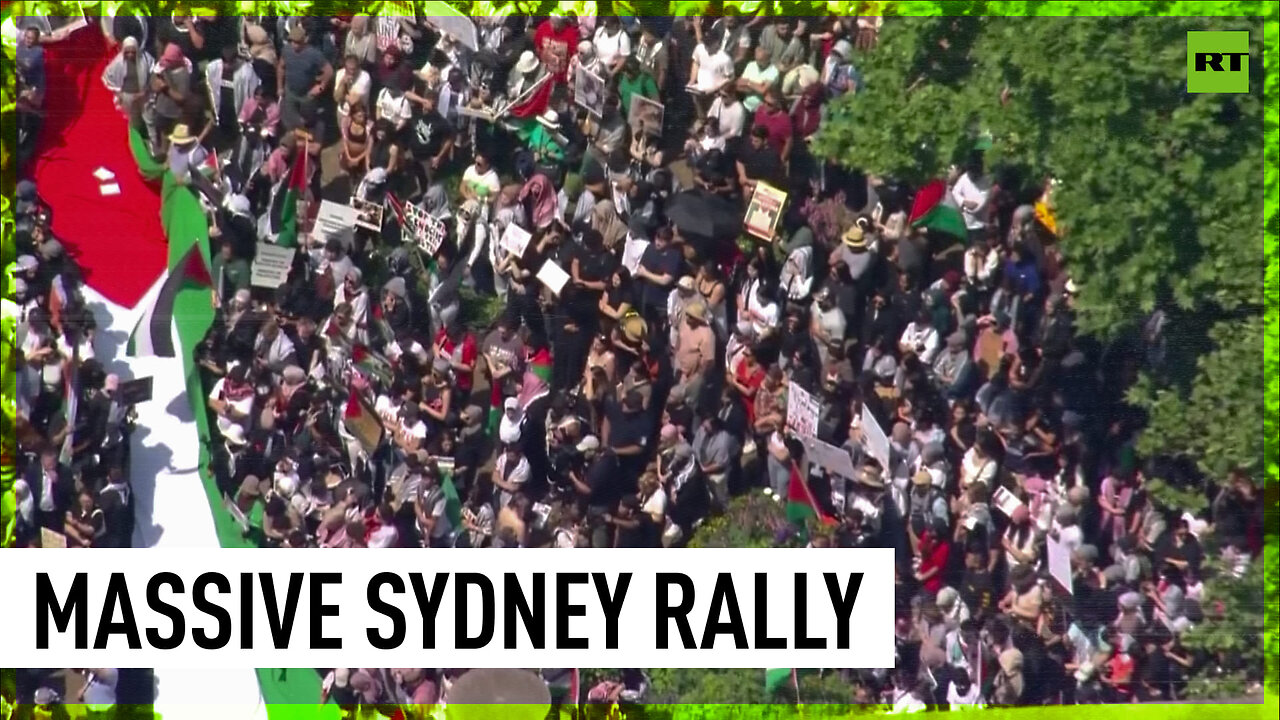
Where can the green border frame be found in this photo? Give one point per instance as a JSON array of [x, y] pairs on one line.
[[286, 702]]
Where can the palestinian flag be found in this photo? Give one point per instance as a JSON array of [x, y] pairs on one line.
[[933, 209], [801, 505], [540, 364], [289, 196], [495, 409], [153, 335]]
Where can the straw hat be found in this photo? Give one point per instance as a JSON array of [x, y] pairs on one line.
[[854, 239], [871, 478], [697, 311], [182, 135], [922, 478], [634, 328], [550, 119], [527, 63]]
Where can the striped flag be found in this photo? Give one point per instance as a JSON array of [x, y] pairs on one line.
[[933, 209], [801, 505], [153, 335], [295, 187]]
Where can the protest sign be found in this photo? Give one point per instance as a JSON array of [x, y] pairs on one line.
[[334, 221], [135, 392], [589, 91], [802, 411], [834, 460], [764, 211], [368, 214], [52, 538], [632, 252], [874, 440], [271, 265], [1006, 501], [646, 115], [515, 239], [553, 276], [1060, 563]]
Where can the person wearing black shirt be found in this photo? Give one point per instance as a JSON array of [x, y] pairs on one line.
[[632, 528], [760, 162], [431, 135], [627, 436], [658, 272]]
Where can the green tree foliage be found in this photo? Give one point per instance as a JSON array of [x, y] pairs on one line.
[[1231, 635], [1159, 188], [751, 520]]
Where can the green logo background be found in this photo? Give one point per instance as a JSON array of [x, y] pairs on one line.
[[1214, 81]]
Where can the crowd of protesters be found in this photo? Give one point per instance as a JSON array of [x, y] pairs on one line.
[[366, 403], [73, 425]]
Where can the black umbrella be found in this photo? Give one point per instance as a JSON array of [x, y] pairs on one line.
[[702, 215]]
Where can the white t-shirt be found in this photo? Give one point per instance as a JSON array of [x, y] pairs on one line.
[[397, 110], [967, 190], [609, 49], [484, 185], [713, 69], [240, 406], [656, 504], [730, 118], [765, 316], [919, 334], [359, 86]]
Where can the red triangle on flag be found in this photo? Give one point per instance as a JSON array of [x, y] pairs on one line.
[[194, 268], [927, 197]]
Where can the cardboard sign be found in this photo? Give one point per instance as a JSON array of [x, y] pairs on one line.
[[52, 538], [1060, 563], [368, 214], [553, 276], [645, 115], [135, 392], [874, 440], [764, 211], [834, 460], [334, 221], [802, 411], [426, 230], [589, 91], [515, 239], [271, 265]]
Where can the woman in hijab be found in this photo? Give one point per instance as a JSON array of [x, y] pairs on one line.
[[606, 221], [126, 75]]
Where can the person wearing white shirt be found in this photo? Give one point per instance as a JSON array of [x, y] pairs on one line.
[[970, 192], [729, 112], [712, 68], [763, 312], [350, 85], [920, 338], [612, 45], [394, 105]]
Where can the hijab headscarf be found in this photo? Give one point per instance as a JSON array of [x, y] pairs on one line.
[[605, 220]]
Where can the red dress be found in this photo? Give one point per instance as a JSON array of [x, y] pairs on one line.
[[752, 380], [468, 357]]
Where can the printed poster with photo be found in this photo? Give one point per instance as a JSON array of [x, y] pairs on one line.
[[764, 211], [368, 214], [589, 91], [646, 115]]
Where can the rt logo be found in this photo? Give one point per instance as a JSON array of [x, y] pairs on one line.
[[1218, 62]]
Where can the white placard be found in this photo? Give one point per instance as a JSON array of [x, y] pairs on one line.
[[802, 411], [334, 221], [829, 457], [1060, 563], [632, 252], [271, 265], [104, 174], [1006, 501], [426, 230], [874, 441], [109, 189], [515, 239], [345, 601], [553, 276]]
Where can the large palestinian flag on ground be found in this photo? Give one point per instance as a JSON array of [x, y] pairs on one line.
[[153, 335], [933, 209]]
